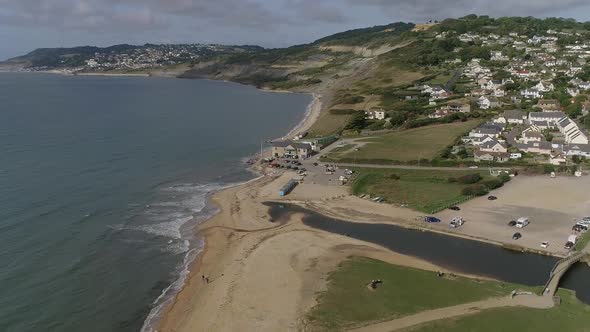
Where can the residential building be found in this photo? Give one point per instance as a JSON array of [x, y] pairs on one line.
[[549, 104], [491, 156], [573, 134], [291, 149], [459, 106], [487, 102], [376, 114], [493, 146], [531, 93], [551, 117]]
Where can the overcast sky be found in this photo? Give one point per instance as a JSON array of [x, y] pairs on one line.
[[29, 24]]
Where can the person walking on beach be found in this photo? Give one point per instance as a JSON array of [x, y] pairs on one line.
[[207, 279], [203, 277]]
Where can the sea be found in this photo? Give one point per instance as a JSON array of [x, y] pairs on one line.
[[102, 180]]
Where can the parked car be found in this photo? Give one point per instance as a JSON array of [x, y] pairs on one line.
[[473, 167], [544, 244], [492, 198], [569, 245], [512, 223], [456, 222], [580, 227], [431, 219], [315, 164], [455, 208], [516, 236], [522, 222]]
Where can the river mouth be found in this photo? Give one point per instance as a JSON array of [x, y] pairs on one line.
[[457, 254]]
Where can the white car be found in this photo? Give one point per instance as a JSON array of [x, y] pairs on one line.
[[474, 167], [544, 244]]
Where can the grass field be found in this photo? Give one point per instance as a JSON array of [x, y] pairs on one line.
[[570, 316], [413, 144], [328, 124], [422, 190], [349, 302]]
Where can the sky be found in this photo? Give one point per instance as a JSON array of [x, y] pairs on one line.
[[29, 24]]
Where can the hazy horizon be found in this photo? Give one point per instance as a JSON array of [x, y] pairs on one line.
[[31, 24]]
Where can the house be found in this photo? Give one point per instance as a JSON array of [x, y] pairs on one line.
[[551, 117], [514, 116], [376, 114], [492, 85], [459, 106], [573, 91], [441, 113], [549, 104], [557, 158], [577, 150], [492, 130], [493, 146], [486, 102], [543, 147], [571, 131], [531, 93], [531, 136], [542, 125], [291, 149], [491, 156], [544, 86]]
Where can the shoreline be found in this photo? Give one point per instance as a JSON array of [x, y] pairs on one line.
[[154, 319]]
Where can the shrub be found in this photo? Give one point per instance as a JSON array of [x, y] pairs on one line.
[[504, 177], [393, 176], [475, 190], [548, 169], [452, 179], [469, 178], [493, 184]]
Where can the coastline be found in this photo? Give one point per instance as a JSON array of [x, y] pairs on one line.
[[158, 314]]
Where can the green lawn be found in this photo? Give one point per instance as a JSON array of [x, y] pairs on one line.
[[348, 302], [422, 190], [570, 316], [413, 144]]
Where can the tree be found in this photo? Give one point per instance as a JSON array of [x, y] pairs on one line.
[[357, 121]]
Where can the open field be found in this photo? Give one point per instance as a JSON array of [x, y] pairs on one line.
[[571, 316], [349, 302], [328, 124], [413, 144], [422, 190]]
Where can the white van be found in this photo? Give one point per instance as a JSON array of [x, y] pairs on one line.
[[456, 222], [522, 222]]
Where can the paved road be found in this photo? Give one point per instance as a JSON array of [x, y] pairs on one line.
[[531, 301]]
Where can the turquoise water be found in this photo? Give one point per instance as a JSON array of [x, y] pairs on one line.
[[99, 181]]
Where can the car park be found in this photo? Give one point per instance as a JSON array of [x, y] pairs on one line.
[[516, 236]]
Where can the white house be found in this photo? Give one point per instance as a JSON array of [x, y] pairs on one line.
[[377, 114], [573, 134], [531, 93], [486, 102], [493, 146], [551, 117], [544, 86]]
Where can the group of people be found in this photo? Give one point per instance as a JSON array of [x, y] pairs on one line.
[[205, 279]]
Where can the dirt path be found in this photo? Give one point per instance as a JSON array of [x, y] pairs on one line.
[[531, 301]]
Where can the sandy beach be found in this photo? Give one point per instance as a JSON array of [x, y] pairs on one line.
[[262, 275]]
